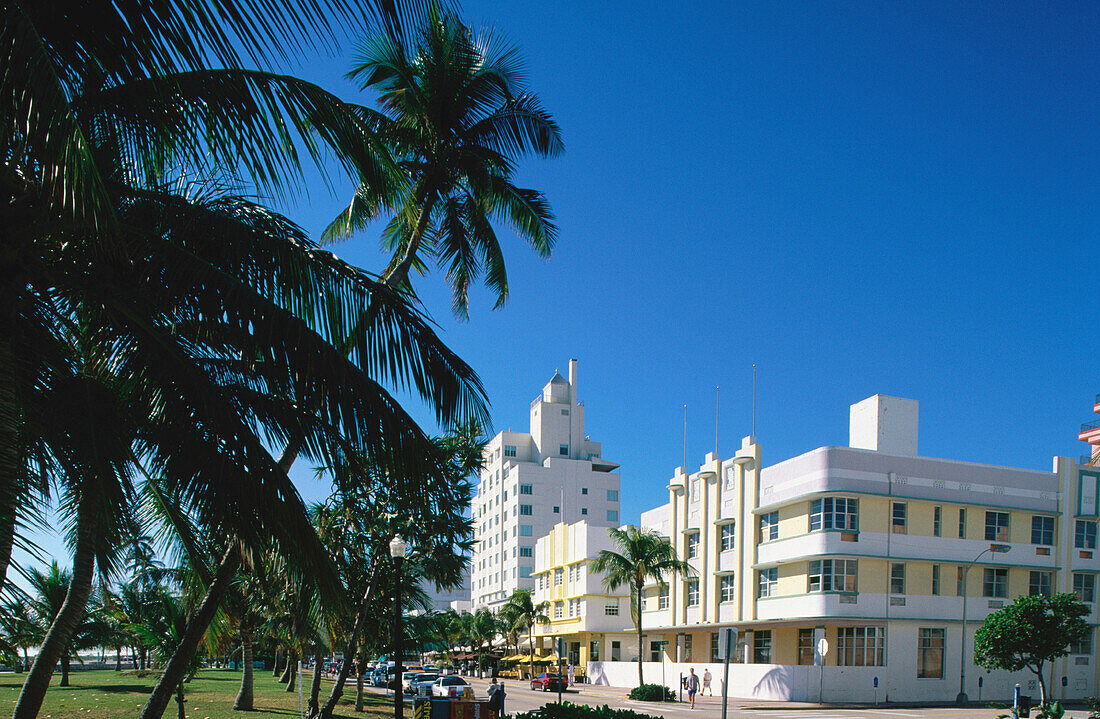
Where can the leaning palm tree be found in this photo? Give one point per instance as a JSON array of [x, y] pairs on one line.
[[163, 632], [525, 614], [642, 555], [457, 117]]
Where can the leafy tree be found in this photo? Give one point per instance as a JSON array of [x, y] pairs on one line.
[[457, 118], [641, 555], [48, 594], [524, 614], [1030, 632]]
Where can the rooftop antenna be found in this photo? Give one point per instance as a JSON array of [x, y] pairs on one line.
[[754, 401]]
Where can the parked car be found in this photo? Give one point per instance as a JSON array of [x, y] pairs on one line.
[[410, 677], [451, 687], [421, 684], [381, 675], [549, 682]]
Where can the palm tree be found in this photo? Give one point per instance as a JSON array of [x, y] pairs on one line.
[[525, 614], [49, 590], [164, 631], [642, 555], [457, 117]]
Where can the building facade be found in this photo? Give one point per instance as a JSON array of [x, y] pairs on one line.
[[533, 481], [581, 609], [874, 549]]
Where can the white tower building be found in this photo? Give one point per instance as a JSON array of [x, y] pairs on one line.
[[532, 481]]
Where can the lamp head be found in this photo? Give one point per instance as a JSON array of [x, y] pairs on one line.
[[397, 547], [1000, 548]]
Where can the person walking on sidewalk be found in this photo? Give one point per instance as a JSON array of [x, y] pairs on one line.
[[706, 682], [692, 682]]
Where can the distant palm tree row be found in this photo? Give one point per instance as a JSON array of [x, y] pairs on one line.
[[169, 346]]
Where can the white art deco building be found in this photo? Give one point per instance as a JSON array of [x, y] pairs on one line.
[[533, 481]]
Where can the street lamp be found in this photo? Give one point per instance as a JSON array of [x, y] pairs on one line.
[[997, 549], [397, 551]]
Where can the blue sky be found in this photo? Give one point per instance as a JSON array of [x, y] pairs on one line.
[[860, 198]]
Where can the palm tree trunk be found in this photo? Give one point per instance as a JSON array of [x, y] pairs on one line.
[[244, 696], [66, 664], [531, 637], [275, 669], [350, 650], [67, 619], [9, 452], [196, 628], [315, 682], [397, 276], [292, 664], [179, 700], [118, 659], [360, 670], [286, 668], [641, 655]]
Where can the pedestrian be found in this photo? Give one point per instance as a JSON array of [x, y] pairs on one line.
[[572, 677], [706, 681], [692, 683]]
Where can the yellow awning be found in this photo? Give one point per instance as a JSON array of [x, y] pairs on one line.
[[547, 658]]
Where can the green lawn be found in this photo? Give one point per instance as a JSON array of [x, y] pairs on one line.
[[114, 695]]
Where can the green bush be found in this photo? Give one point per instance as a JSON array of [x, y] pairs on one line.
[[1094, 707], [568, 710], [652, 693]]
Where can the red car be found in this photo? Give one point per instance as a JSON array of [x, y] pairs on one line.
[[549, 682]]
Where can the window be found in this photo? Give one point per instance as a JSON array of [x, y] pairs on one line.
[[832, 575], [769, 579], [1042, 530], [996, 526], [1084, 646], [693, 593], [937, 521], [558, 576], [557, 509], [695, 490], [509, 450], [525, 530], [727, 594], [897, 578], [584, 511], [762, 647], [714, 647], [584, 490], [525, 571], [935, 579], [929, 653], [611, 609], [662, 597], [769, 526], [563, 450], [1084, 586], [655, 651], [726, 537], [525, 510], [526, 489], [897, 522], [594, 651], [1084, 534], [806, 646], [834, 513], [687, 647], [558, 607], [962, 524], [616, 651], [565, 413], [526, 552], [959, 579], [996, 583], [612, 495], [860, 646], [1038, 584], [692, 545], [613, 515]]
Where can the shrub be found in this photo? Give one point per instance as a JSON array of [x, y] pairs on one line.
[[568, 710], [652, 693]]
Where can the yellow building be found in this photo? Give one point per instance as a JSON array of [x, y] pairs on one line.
[[865, 547], [582, 611]]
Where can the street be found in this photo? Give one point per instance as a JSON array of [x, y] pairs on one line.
[[520, 698]]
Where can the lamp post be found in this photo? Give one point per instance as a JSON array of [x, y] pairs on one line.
[[397, 551], [997, 549]]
